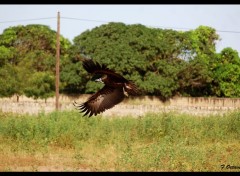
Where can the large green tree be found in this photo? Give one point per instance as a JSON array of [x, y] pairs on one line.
[[161, 62], [197, 76], [226, 74], [26, 52], [150, 57]]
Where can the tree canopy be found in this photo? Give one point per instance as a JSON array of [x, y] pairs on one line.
[[162, 62], [26, 53]]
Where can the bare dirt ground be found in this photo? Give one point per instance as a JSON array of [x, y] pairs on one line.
[[59, 161]]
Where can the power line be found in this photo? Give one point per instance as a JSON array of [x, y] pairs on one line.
[[228, 31], [193, 29], [14, 21], [102, 21], [80, 19]]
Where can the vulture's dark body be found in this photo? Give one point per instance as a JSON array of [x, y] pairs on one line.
[[113, 92]]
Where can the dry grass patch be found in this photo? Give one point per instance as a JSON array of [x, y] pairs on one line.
[[156, 142]]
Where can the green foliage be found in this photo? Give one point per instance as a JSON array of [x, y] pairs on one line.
[[40, 85], [92, 87], [28, 51], [8, 85], [197, 76], [8, 36], [72, 75], [154, 142], [203, 41], [161, 62], [5, 54], [168, 127], [226, 72], [149, 57]]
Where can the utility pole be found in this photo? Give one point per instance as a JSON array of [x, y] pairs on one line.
[[57, 61]]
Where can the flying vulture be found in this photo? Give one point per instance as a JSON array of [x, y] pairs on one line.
[[115, 88]]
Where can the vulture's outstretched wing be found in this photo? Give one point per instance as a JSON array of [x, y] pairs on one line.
[[104, 99], [95, 68]]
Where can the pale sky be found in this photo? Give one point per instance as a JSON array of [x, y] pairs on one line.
[[84, 17]]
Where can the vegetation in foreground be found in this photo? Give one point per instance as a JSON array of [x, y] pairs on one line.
[[65, 141]]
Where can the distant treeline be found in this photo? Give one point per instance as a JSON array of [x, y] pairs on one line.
[[162, 62]]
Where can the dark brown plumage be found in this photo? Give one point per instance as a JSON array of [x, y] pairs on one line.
[[115, 89]]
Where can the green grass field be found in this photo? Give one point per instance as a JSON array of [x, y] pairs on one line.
[[66, 141]]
